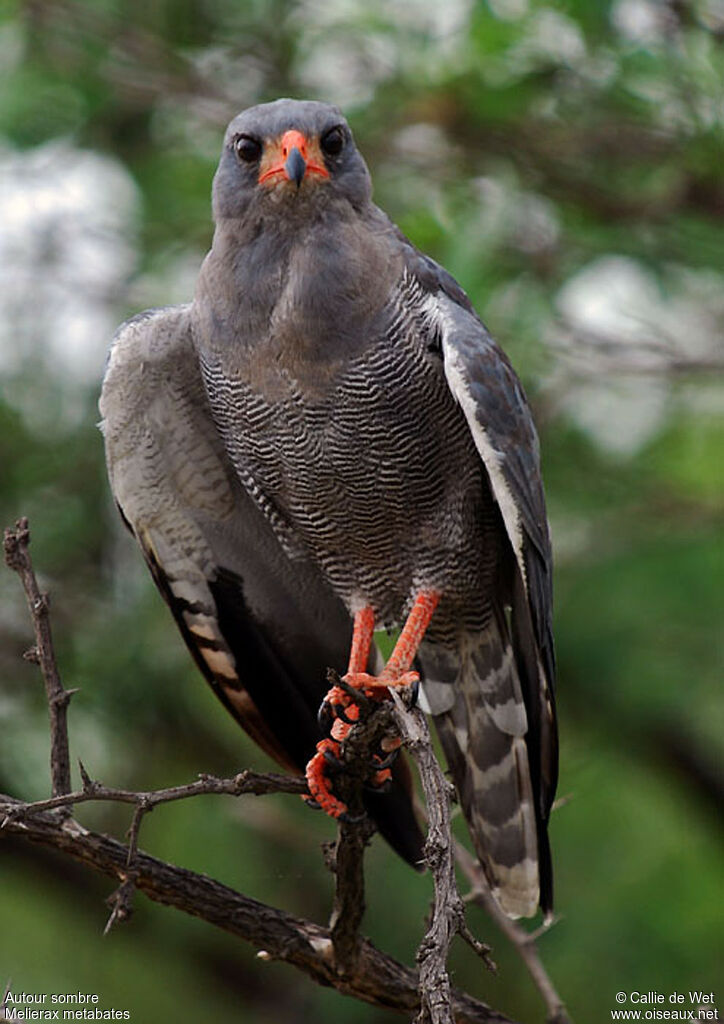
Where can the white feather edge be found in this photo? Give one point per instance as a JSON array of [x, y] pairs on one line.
[[434, 308]]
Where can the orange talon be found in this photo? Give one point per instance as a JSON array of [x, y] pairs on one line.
[[352, 712], [340, 730], [381, 777], [318, 782], [337, 697], [397, 672]]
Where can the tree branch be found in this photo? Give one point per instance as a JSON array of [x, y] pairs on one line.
[[378, 979], [348, 907], [4, 1000], [243, 784], [347, 860], [17, 558], [448, 911], [524, 942]]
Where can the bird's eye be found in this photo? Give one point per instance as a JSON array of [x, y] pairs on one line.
[[332, 141], [248, 149]]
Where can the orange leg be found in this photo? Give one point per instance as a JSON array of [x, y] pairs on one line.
[[395, 673], [397, 668], [364, 627], [362, 632]]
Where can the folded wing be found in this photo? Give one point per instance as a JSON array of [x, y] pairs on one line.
[[263, 628], [499, 730]]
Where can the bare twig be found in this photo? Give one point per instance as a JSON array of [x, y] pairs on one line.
[[121, 901], [524, 942], [448, 911], [245, 783], [349, 896], [17, 558], [378, 978]]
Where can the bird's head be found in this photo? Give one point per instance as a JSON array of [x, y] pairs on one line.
[[288, 152]]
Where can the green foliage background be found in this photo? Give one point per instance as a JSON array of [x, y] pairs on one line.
[[519, 142]]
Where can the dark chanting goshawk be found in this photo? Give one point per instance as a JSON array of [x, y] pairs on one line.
[[324, 442]]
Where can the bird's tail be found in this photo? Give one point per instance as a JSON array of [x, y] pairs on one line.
[[476, 697]]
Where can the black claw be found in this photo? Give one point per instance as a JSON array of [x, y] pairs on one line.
[[327, 714], [387, 761], [333, 761], [351, 819], [340, 712], [312, 803], [379, 787], [357, 696], [325, 717], [414, 692]]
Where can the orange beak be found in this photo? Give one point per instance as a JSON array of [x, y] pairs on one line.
[[291, 158]]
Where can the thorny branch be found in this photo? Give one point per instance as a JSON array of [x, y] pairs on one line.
[[348, 908], [524, 942], [277, 935], [448, 911], [17, 558], [245, 783], [337, 956]]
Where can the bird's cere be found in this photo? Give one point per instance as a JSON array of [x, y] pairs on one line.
[[291, 158]]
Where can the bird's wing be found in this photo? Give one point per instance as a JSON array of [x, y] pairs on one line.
[[491, 397], [211, 553], [262, 629]]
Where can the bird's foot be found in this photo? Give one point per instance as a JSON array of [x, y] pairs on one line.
[[344, 705], [377, 687], [381, 781], [326, 763], [318, 782], [354, 695], [340, 704]]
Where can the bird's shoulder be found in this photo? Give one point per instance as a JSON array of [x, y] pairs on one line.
[[142, 350], [416, 266], [149, 339], [162, 446], [425, 287], [484, 383]]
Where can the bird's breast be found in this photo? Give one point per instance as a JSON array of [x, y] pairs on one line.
[[359, 455]]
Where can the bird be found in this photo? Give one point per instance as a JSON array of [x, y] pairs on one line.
[[324, 442]]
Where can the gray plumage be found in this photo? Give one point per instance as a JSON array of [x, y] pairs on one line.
[[331, 399]]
